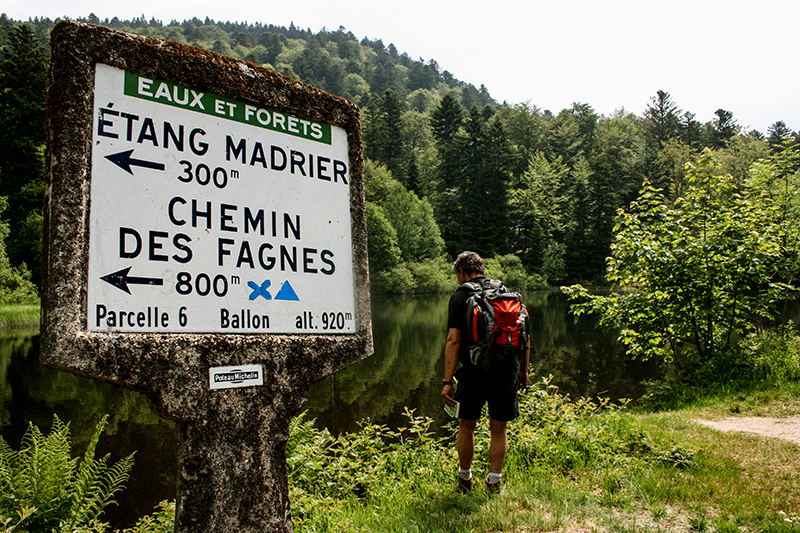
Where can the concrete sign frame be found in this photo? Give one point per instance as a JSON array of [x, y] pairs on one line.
[[232, 390]]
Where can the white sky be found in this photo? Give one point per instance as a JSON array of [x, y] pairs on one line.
[[708, 54]]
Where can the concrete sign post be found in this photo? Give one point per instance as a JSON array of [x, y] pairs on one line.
[[205, 244]]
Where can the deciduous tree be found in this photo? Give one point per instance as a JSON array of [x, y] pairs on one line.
[[694, 276]]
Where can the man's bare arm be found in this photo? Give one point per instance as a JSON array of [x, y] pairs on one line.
[[450, 362]]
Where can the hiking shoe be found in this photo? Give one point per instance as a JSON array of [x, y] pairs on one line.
[[494, 488], [464, 485]]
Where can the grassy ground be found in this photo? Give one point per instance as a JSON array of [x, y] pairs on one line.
[[641, 472], [573, 466], [19, 315], [741, 484]]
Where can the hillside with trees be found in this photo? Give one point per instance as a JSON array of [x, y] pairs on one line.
[[447, 167]]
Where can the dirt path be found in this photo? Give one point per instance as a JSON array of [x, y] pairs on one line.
[[779, 428]]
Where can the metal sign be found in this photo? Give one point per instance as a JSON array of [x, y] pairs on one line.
[[212, 215]]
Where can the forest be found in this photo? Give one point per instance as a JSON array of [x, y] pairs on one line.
[[448, 168]]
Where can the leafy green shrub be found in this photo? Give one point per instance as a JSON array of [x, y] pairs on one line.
[[770, 358], [556, 433], [516, 277], [493, 268], [433, 276], [510, 269], [43, 489], [161, 521], [693, 277], [397, 280], [536, 282], [325, 472], [16, 286]]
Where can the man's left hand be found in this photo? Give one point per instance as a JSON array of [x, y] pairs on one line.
[[447, 395]]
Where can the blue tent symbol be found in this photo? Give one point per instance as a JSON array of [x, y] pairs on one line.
[[286, 292]]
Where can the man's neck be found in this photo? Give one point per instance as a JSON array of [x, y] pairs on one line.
[[464, 277]]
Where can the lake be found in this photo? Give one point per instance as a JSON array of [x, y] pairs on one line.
[[406, 371]]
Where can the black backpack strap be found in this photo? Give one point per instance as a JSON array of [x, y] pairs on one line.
[[471, 286]]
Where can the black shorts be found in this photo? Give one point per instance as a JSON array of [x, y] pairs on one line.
[[477, 387]]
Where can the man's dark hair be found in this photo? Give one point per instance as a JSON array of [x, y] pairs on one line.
[[469, 262]]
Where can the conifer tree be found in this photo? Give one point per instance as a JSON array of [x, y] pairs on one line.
[[383, 139], [412, 177], [690, 131], [480, 219], [724, 127], [579, 232], [662, 120], [446, 119], [778, 133], [23, 72]]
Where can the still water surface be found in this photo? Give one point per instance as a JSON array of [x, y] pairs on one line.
[[406, 371]]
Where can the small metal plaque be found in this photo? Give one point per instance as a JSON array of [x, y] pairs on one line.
[[231, 377]]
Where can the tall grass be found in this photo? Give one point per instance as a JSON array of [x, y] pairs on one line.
[[20, 315]]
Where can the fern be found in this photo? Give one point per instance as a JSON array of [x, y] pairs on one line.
[[48, 490], [40, 474], [6, 479], [303, 447]]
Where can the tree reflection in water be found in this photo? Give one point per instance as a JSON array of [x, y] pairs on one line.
[[406, 370]]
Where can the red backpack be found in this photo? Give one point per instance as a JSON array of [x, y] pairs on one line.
[[497, 322]]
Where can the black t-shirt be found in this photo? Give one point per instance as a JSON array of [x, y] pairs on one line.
[[457, 316]]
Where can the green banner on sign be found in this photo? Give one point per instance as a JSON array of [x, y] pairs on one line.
[[176, 95]]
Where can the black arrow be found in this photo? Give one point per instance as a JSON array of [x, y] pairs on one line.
[[120, 280], [124, 161]]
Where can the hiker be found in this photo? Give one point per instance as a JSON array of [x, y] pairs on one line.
[[476, 386]]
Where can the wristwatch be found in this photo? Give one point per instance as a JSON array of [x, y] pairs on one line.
[[445, 382]]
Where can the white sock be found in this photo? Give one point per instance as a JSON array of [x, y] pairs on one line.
[[465, 474], [494, 478]]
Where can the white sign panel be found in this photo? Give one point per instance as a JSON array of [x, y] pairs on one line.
[[211, 215], [229, 377]]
